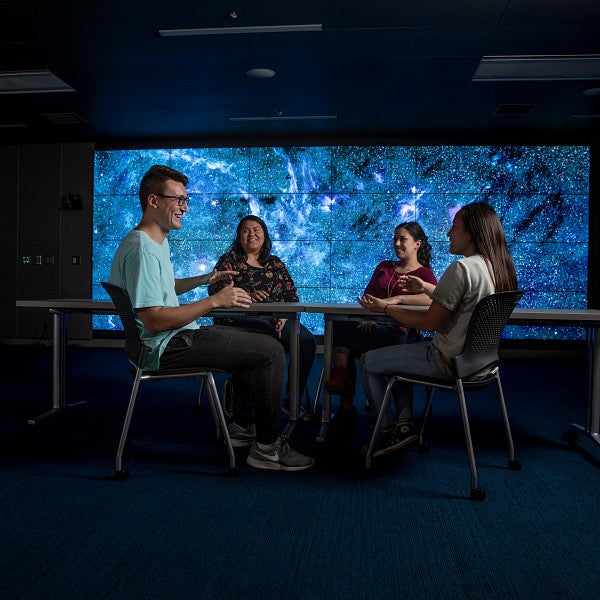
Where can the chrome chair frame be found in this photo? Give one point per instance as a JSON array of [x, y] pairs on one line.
[[137, 354], [479, 355]]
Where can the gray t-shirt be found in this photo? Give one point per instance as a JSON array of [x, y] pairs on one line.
[[463, 284]]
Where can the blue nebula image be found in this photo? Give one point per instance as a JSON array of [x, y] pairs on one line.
[[331, 213]]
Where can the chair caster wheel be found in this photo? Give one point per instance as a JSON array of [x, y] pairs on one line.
[[121, 475], [233, 472], [514, 465], [478, 494]]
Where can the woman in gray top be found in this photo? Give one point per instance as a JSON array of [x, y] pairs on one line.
[[487, 268]]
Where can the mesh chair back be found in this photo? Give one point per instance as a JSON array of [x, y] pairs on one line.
[[484, 332], [135, 350]]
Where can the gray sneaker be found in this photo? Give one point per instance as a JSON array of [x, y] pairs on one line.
[[278, 457], [241, 436]]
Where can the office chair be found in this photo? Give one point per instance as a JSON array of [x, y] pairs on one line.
[[137, 354], [479, 355]]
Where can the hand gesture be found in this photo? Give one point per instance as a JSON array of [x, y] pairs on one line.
[[219, 275], [371, 303], [412, 284], [231, 296]]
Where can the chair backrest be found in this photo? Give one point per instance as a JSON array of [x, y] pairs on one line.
[[135, 350], [484, 332]]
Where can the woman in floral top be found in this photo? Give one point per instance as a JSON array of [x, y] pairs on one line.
[[266, 278]]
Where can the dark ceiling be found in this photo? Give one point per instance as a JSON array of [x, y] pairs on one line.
[[385, 68]]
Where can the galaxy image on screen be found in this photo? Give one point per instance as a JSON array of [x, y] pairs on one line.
[[331, 213]]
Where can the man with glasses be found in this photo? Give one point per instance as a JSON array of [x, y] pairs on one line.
[[142, 266]]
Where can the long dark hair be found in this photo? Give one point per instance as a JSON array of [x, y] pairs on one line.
[[417, 234], [483, 225], [236, 245]]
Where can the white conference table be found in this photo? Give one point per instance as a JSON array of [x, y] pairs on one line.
[[586, 318], [60, 309]]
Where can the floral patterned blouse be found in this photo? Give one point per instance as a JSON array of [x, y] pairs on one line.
[[273, 278]]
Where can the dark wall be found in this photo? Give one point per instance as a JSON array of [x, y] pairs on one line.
[[43, 236]]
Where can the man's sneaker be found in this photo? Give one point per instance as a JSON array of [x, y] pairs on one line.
[[278, 457], [241, 436], [340, 383], [400, 435]]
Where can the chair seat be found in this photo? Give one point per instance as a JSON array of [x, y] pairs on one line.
[[190, 372], [446, 382]]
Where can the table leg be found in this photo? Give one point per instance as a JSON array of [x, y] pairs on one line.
[[293, 375], [326, 411], [593, 421], [592, 425], [60, 323]]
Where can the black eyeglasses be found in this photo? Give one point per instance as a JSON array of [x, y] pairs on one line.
[[181, 200]]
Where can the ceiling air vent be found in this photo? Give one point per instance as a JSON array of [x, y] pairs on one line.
[[64, 118], [514, 110]]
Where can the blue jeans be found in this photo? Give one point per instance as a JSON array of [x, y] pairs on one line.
[[410, 358]]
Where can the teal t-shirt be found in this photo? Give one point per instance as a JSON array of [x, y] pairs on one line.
[[144, 269]]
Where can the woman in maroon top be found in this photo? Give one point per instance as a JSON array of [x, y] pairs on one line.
[[413, 253]]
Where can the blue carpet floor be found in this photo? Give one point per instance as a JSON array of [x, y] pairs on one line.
[[178, 529]]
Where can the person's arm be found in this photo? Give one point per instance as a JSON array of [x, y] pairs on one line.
[[160, 318], [424, 321], [414, 299], [224, 264], [189, 283]]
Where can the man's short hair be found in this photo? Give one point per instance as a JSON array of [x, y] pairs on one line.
[[152, 182]]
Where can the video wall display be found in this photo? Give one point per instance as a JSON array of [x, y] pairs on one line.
[[331, 212]]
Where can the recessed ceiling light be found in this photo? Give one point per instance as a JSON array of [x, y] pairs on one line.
[[31, 82], [236, 30], [261, 73], [592, 92]]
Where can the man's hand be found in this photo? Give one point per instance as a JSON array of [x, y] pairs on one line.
[[219, 275], [231, 296]]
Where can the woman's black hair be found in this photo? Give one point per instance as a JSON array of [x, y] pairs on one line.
[[236, 245], [417, 234]]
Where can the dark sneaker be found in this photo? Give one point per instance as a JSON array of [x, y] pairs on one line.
[[398, 436], [227, 398], [340, 383], [241, 436], [342, 427], [278, 457]]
